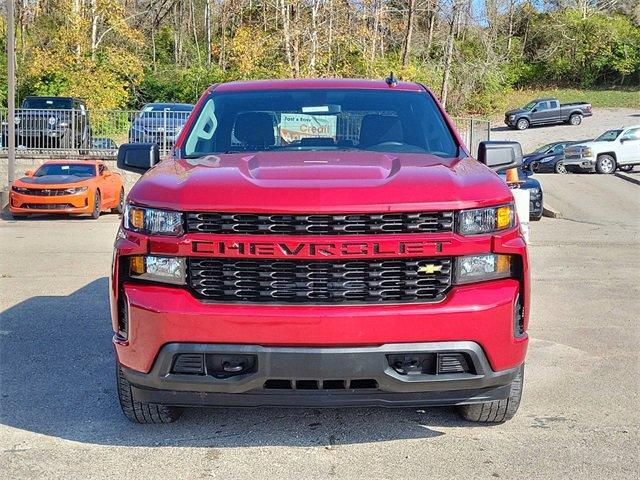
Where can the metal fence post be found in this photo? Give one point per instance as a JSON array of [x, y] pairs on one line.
[[164, 134], [471, 146], [72, 145]]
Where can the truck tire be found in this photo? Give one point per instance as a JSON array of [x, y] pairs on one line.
[[606, 164], [522, 124], [139, 412], [499, 410], [575, 119]]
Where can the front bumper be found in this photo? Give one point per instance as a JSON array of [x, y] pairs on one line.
[[582, 164], [360, 376], [78, 203]]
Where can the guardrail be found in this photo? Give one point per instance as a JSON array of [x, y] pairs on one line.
[[50, 133]]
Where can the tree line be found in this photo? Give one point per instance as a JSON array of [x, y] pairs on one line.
[[123, 53]]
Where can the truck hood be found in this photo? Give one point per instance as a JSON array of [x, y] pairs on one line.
[[306, 182], [516, 111], [594, 145]]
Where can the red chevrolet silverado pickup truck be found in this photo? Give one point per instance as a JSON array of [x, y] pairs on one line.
[[319, 243]]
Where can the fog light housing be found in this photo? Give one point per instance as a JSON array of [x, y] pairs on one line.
[[158, 269], [481, 268]]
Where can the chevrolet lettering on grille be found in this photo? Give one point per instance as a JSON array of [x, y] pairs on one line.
[[390, 248]]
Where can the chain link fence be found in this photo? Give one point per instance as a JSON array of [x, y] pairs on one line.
[[55, 133]]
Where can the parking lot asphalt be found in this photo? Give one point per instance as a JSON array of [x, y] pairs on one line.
[[579, 417]]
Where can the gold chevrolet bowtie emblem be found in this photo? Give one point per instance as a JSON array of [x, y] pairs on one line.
[[429, 268]]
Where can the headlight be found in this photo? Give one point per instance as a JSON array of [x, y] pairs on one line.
[[52, 121], [587, 152], [485, 220], [152, 221], [545, 159], [512, 117], [63, 124], [17, 121], [480, 268], [19, 189], [158, 269], [71, 191]]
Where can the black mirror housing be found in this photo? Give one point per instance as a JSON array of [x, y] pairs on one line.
[[500, 156], [138, 157]]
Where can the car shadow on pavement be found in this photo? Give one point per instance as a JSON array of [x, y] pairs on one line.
[[57, 378]]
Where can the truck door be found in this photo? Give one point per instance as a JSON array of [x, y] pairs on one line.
[[540, 113], [555, 113], [629, 146]]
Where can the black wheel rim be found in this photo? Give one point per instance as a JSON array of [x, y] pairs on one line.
[[96, 205]]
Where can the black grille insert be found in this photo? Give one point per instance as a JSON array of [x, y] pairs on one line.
[[317, 224], [320, 282]]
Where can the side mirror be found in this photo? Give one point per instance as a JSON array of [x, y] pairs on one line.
[[138, 157], [499, 156], [29, 173]]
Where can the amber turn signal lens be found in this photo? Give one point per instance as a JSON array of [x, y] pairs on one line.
[[503, 217], [136, 265], [136, 219]]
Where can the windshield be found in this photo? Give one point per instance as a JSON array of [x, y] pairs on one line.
[[48, 103], [66, 169], [158, 109], [544, 148], [608, 136], [288, 120], [530, 106]]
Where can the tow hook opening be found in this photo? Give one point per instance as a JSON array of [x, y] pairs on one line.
[[430, 363], [225, 366]]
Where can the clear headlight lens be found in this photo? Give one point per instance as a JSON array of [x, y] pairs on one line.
[[152, 221], [71, 191], [545, 159], [19, 189], [52, 121], [485, 220], [480, 268], [512, 117], [158, 269], [587, 152], [17, 120]]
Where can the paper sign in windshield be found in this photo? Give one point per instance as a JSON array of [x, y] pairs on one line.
[[295, 126]]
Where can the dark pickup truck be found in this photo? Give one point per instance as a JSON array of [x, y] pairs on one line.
[[52, 122], [547, 111]]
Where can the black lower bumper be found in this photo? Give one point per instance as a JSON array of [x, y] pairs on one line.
[[316, 377]]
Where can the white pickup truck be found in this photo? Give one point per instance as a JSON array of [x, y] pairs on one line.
[[617, 148]]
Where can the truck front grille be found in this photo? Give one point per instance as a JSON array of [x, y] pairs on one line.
[[319, 224], [320, 282]]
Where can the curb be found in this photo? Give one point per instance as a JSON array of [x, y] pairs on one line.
[[550, 212], [627, 177]]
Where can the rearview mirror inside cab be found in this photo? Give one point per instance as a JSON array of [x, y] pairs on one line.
[[138, 157], [500, 156]]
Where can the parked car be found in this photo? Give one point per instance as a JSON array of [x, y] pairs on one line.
[[547, 159], [159, 123], [103, 143], [261, 266], [73, 187], [616, 148], [547, 111], [536, 195], [52, 122]]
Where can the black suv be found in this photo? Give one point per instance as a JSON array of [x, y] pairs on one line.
[[52, 122]]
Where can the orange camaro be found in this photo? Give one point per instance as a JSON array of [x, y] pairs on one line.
[[75, 187]]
